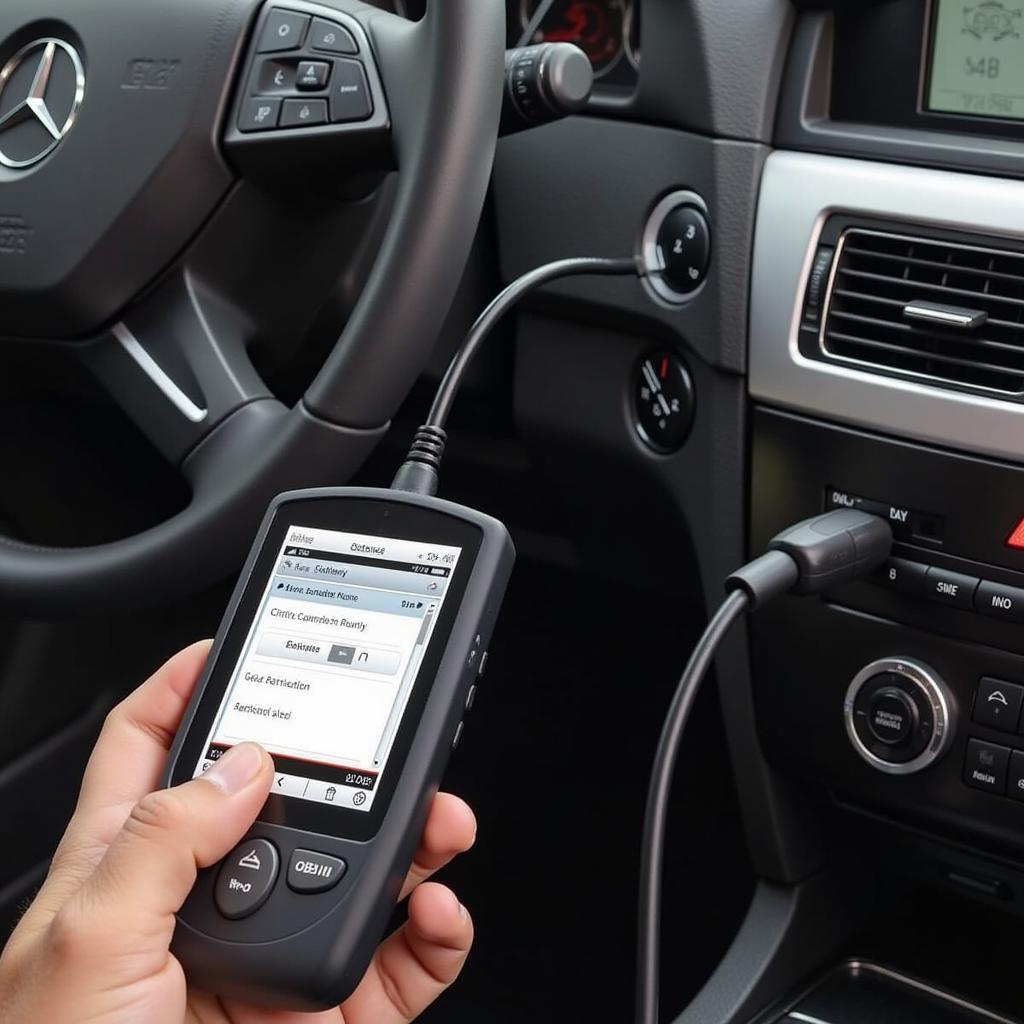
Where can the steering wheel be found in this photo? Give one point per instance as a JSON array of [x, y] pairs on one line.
[[125, 129]]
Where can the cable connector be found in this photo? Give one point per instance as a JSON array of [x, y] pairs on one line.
[[816, 555], [420, 472]]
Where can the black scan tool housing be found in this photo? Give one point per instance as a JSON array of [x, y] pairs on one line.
[[308, 951]]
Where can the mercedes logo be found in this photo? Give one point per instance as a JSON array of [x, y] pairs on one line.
[[41, 90]]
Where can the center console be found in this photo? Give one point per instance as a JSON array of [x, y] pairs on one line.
[[886, 372]]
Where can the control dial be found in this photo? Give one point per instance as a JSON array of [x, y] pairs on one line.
[[898, 715]]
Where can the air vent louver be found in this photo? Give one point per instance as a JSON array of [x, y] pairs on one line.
[[878, 275]]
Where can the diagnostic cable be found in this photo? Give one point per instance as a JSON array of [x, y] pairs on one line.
[[809, 557]]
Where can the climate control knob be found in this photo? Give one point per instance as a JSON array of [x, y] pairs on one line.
[[898, 715]]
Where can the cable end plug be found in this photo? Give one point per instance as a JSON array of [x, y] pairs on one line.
[[816, 555], [421, 471]]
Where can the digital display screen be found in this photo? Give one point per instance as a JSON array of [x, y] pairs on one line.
[[327, 668], [977, 59]]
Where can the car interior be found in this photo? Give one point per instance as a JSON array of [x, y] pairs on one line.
[[240, 241]]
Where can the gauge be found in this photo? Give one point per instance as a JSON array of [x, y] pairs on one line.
[[597, 27], [663, 401]]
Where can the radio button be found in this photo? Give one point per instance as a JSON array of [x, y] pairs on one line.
[[309, 871], [951, 588], [999, 601], [900, 574], [986, 766], [998, 704], [1015, 784], [246, 878]]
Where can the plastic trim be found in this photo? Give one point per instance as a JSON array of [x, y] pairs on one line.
[[798, 193], [155, 373]]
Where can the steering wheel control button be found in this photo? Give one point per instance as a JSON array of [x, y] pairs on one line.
[[283, 30], [997, 704], [684, 245], [350, 95], [246, 878], [999, 601], [898, 716], [259, 115], [276, 76], [892, 716], [326, 35], [312, 74], [663, 401], [310, 872], [951, 588], [986, 766], [302, 113]]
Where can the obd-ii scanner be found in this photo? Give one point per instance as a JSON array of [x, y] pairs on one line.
[[350, 651]]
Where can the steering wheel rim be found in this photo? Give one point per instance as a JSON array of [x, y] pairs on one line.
[[443, 80]]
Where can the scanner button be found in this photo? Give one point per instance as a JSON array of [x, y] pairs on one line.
[[246, 878], [309, 871]]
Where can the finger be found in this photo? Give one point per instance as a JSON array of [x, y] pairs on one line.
[[125, 910], [417, 963], [137, 735], [449, 831]]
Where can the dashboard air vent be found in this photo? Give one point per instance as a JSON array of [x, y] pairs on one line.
[[948, 312]]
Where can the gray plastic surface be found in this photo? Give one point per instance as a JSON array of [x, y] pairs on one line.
[[638, 165]]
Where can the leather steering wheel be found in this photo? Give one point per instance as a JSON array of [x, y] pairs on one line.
[[125, 129]]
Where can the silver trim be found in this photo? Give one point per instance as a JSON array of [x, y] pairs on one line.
[[156, 374], [805, 1018], [934, 692], [34, 104], [650, 251], [799, 191], [945, 316], [922, 986]]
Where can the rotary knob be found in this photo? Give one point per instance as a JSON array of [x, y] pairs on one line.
[[898, 715]]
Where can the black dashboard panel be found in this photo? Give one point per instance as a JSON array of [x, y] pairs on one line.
[[853, 86], [806, 653], [880, 71]]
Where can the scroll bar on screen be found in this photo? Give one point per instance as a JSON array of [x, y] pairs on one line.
[[401, 697]]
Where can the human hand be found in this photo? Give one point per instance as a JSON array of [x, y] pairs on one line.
[[94, 944]]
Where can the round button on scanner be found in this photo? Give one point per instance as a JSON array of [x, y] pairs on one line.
[[246, 878], [310, 872]]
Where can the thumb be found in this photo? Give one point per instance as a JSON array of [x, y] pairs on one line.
[[128, 904]]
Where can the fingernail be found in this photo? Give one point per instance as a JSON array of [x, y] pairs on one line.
[[236, 767]]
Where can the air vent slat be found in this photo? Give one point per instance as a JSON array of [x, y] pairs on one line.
[[877, 274], [961, 294], [917, 261]]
